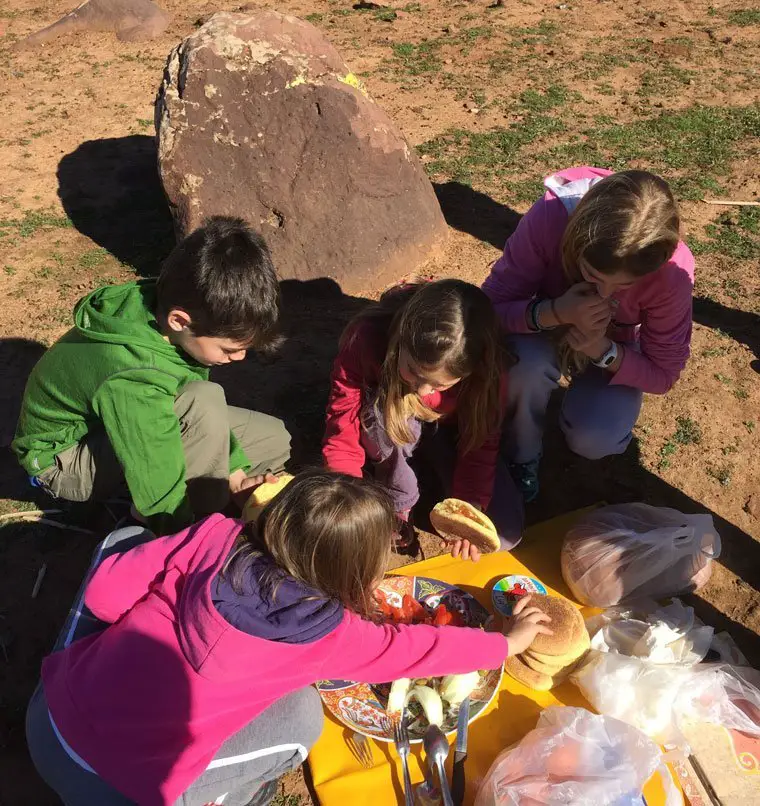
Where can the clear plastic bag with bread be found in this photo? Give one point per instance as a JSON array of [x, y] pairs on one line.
[[575, 756], [627, 552]]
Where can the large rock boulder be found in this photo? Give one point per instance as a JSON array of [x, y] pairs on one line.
[[259, 117]]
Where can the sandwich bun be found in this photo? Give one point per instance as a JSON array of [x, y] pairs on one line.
[[457, 520]]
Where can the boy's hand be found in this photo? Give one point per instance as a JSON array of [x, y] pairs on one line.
[[526, 623], [241, 485]]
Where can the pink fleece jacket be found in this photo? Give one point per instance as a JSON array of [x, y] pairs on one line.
[[656, 310], [148, 702]]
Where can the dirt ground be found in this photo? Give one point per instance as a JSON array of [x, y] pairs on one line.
[[494, 98]]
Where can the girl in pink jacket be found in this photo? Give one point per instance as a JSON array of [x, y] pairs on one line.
[[193, 687], [594, 283]]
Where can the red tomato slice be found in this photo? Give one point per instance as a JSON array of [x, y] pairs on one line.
[[415, 609], [442, 616]]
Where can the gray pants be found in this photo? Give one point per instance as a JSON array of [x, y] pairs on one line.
[[244, 768], [597, 418], [90, 470]]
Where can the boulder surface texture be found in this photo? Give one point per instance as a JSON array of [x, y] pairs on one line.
[[259, 117]]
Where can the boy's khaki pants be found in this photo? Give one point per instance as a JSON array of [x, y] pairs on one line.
[[90, 470]]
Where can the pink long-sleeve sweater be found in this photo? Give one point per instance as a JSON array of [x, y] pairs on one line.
[[656, 311], [147, 702]]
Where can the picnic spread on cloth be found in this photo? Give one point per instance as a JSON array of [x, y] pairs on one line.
[[337, 774]]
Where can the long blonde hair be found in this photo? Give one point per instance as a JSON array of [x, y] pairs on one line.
[[629, 222], [449, 324], [328, 530]]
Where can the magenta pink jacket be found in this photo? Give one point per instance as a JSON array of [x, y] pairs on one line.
[[656, 311], [148, 702]]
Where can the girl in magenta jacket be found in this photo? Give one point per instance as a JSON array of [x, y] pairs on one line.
[[422, 374], [195, 692], [594, 283]]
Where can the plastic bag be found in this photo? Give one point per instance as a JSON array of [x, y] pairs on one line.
[[633, 551], [659, 699], [661, 634], [722, 695], [575, 757]]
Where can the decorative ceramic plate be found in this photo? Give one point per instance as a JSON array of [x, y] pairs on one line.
[[509, 589], [361, 706]]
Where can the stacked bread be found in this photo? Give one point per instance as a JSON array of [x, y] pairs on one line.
[[551, 658]]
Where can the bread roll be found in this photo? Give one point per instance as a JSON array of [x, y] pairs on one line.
[[566, 624], [457, 520]]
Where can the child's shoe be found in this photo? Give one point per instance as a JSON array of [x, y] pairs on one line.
[[405, 539]]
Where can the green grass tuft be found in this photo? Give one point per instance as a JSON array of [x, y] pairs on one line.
[[34, 220], [745, 17]]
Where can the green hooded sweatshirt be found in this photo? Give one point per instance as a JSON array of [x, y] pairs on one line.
[[115, 370]]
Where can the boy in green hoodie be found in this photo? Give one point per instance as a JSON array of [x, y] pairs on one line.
[[125, 394]]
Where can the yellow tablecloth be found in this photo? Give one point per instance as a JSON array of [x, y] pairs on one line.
[[340, 780]]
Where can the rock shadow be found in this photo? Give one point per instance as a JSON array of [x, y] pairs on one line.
[[111, 191], [476, 213], [294, 384]]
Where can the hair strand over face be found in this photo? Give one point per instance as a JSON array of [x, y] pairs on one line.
[[449, 325]]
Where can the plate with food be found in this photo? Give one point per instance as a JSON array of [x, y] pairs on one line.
[[365, 707]]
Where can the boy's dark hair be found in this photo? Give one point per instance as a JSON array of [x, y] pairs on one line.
[[222, 275]]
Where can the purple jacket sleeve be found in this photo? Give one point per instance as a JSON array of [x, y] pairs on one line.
[[665, 334], [516, 277], [377, 653]]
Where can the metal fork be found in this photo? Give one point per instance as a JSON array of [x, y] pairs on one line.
[[359, 746], [403, 747]]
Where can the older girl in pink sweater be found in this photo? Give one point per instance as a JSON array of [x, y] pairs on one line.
[[594, 283], [197, 690]]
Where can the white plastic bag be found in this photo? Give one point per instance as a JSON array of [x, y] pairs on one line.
[[575, 757], [661, 634], [639, 693], [659, 699], [723, 695], [633, 551]]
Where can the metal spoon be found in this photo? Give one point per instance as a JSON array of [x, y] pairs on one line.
[[437, 749], [427, 792]]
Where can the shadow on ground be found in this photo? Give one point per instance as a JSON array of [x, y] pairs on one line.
[[742, 326], [111, 191], [17, 358], [294, 384], [475, 213]]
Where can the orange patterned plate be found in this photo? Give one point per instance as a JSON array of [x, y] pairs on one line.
[[361, 706]]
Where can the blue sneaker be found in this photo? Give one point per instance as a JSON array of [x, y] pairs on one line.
[[525, 477]]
